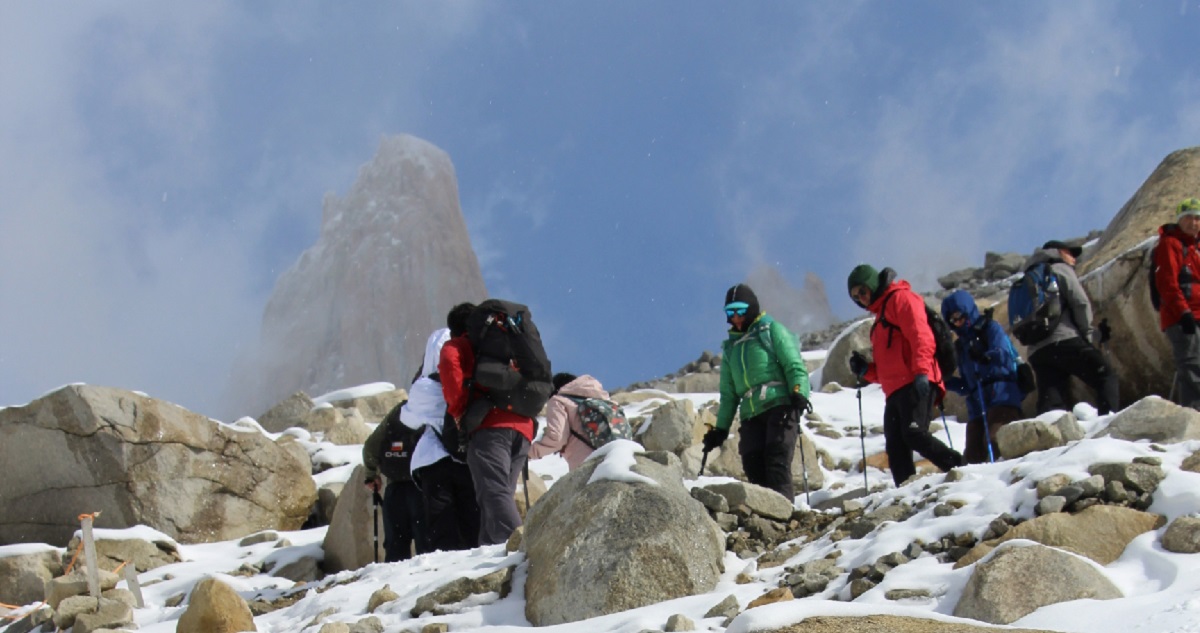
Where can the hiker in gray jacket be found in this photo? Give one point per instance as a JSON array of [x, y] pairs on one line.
[[1068, 350]]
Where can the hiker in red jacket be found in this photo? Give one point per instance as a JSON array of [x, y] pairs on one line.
[[903, 346], [497, 450], [1177, 267]]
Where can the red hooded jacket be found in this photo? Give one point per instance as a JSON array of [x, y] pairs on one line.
[[455, 365], [900, 355], [1176, 250]]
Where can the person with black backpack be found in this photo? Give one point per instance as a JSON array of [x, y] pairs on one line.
[[389, 450], [988, 375], [439, 467], [1066, 348], [580, 418], [763, 380], [1176, 269], [495, 378], [906, 364]]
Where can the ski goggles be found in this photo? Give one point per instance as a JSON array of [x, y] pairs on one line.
[[737, 308]]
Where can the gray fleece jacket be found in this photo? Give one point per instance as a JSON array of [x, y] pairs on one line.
[[1077, 310]]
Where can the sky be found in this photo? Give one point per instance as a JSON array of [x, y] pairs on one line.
[[1160, 588], [620, 164]]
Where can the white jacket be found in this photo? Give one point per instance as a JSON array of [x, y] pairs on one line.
[[426, 406]]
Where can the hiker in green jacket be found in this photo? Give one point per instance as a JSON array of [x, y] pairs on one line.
[[764, 379]]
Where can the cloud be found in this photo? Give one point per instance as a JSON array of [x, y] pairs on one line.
[[1016, 125], [142, 224]]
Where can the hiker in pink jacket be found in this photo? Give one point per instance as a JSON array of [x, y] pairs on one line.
[[562, 434]]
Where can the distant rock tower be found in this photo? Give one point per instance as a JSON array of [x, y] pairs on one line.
[[804, 309], [392, 258]]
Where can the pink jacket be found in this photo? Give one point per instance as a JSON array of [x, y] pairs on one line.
[[561, 419]]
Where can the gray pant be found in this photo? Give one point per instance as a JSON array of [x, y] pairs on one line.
[[1186, 348], [496, 458]]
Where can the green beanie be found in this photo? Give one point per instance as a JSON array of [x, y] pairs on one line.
[[863, 275]]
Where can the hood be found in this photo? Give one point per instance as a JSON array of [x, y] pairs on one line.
[[887, 284], [1173, 231], [1050, 255], [433, 349], [960, 301], [584, 386]]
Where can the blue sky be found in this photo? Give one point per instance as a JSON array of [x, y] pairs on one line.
[[620, 164]]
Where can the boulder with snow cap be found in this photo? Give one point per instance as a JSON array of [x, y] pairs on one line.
[[1019, 580], [1155, 419], [631, 538], [141, 461]]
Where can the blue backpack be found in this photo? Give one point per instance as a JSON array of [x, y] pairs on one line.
[[1034, 304]]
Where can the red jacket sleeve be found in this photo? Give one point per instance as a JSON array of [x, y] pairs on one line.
[[1168, 260], [451, 364]]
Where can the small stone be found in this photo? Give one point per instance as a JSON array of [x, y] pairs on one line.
[[859, 587], [436, 627], [380, 597], [679, 622], [943, 510], [727, 608], [1050, 505], [260, 537], [778, 594], [1149, 460]]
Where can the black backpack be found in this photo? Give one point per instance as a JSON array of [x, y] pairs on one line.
[[1185, 277], [512, 371], [942, 335], [396, 449]]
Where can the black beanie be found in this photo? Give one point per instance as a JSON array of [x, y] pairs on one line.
[[743, 293], [562, 379]]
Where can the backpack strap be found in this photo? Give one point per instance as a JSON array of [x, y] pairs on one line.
[[882, 320]]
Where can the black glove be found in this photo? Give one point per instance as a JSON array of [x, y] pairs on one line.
[[858, 365], [921, 386], [1105, 330], [1187, 323], [715, 438], [977, 350], [800, 403]]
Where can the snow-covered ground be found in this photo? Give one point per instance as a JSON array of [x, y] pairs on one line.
[[1162, 589]]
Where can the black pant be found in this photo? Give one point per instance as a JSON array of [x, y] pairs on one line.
[[451, 513], [767, 444], [496, 458], [1054, 365], [403, 520], [906, 429]]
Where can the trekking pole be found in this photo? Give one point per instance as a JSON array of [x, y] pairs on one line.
[[804, 465], [987, 433], [378, 502], [946, 425], [526, 471], [862, 439], [703, 461]]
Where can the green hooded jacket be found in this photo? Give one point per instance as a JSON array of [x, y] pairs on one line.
[[760, 368]]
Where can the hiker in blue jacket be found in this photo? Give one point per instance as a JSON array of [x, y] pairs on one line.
[[987, 368]]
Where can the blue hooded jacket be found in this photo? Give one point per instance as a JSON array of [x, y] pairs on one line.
[[995, 376]]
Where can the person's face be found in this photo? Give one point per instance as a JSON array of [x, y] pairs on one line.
[[1067, 257], [957, 320], [736, 317], [861, 295], [1190, 224]]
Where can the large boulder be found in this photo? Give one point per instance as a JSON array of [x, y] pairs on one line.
[[1100, 533], [350, 540], [24, 570], [1155, 419], [631, 538], [856, 337], [1020, 580], [214, 607], [141, 461], [671, 427], [1114, 273]]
